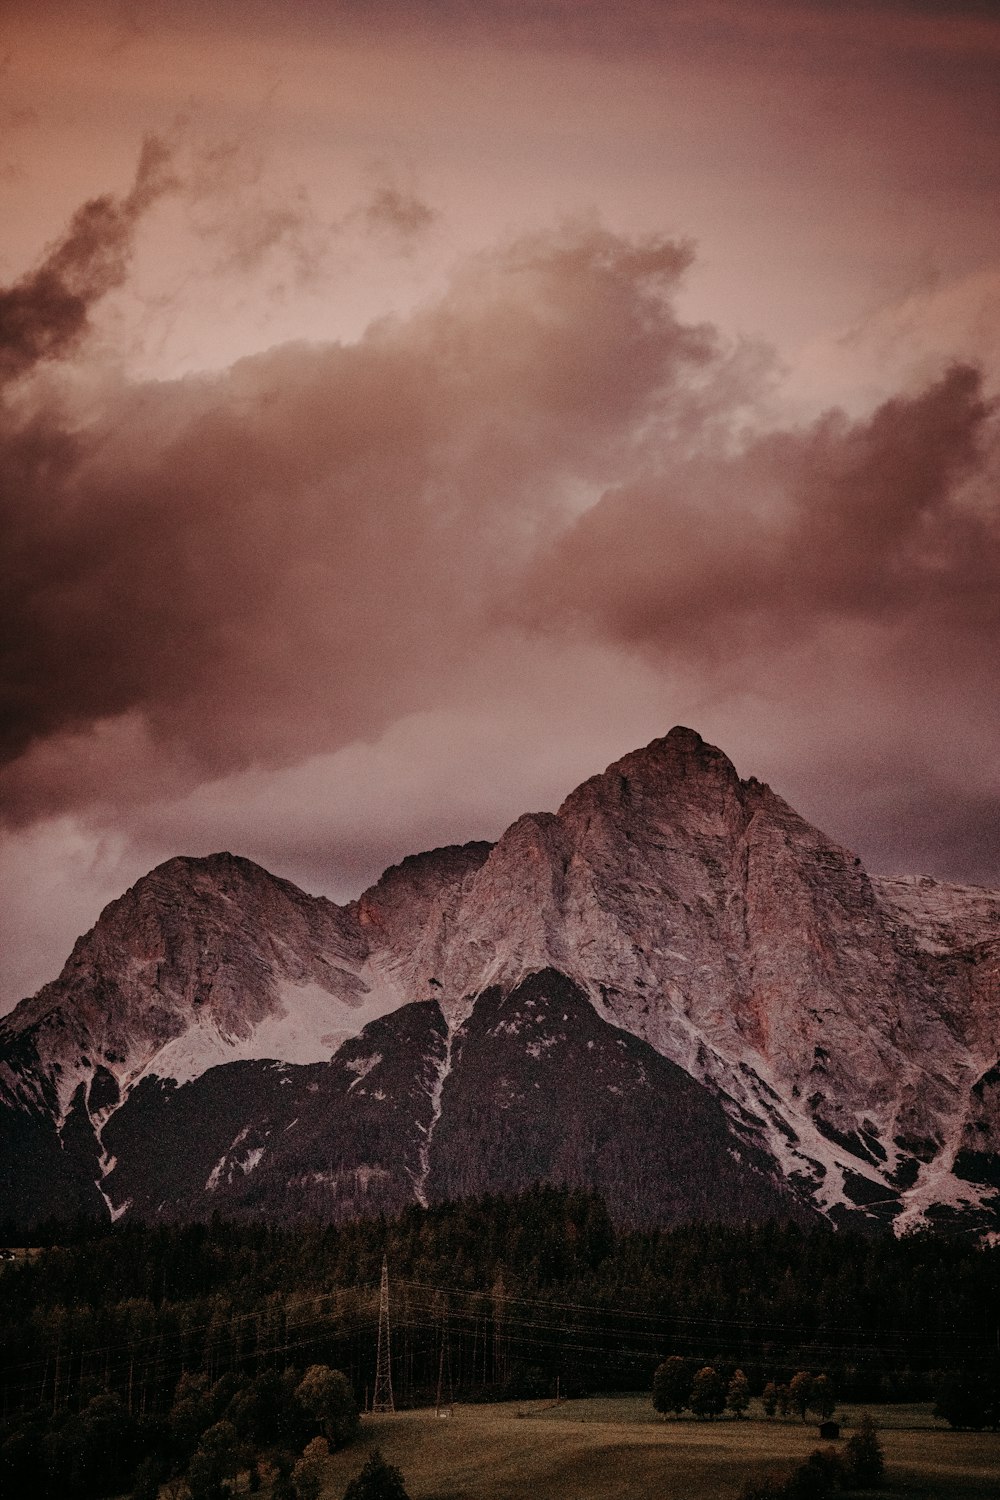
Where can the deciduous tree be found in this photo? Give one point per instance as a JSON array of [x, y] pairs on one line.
[[738, 1394], [708, 1393], [823, 1399], [800, 1392], [307, 1475], [326, 1395], [672, 1384]]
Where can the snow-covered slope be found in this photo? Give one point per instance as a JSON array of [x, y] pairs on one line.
[[847, 1026]]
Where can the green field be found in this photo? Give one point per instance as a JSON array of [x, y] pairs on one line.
[[617, 1447]]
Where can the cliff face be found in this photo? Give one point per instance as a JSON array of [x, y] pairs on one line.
[[729, 980]]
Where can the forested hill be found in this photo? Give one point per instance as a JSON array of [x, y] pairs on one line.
[[501, 1294]]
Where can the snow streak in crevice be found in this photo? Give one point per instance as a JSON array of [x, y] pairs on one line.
[[105, 1161], [424, 1154]]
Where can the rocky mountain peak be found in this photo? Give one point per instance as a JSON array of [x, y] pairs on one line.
[[684, 751], [848, 1028], [405, 892], [677, 773]]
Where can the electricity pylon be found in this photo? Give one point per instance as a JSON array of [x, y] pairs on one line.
[[383, 1363]]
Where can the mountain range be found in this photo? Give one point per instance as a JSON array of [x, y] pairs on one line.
[[674, 990]]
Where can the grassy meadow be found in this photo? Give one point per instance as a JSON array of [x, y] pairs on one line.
[[618, 1447]]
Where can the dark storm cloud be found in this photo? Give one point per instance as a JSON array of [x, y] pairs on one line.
[[877, 521], [46, 314], [280, 558], [239, 571]]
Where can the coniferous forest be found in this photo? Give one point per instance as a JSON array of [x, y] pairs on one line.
[[491, 1298]]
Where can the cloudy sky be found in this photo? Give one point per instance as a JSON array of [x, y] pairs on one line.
[[407, 408]]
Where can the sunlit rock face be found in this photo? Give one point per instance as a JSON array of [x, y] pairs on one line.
[[674, 989]]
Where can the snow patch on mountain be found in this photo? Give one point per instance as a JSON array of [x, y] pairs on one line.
[[234, 1160], [116, 1211], [307, 1026], [362, 1066], [936, 1185], [442, 1068]]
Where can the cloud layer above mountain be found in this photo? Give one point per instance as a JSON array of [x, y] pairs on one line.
[[251, 567]]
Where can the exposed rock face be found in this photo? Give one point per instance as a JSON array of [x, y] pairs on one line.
[[751, 1021]]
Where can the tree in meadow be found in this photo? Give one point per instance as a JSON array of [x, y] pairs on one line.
[[800, 1392], [863, 1456], [672, 1385], [822, 1398], [738, 1394], [708, 1393]]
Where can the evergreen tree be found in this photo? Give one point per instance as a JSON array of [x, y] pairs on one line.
[[864, 1457], [378, 1480], [769, 1399], [784, 1400]]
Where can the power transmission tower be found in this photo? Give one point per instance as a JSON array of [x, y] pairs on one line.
[[382, 1400]]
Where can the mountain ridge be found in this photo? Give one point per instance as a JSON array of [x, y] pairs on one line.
[[847, 1026]]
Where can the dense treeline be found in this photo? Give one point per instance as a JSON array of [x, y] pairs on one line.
[[213, 1440], [492, 1296]]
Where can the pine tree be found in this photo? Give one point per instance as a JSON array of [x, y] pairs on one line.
[[378, 1480], [864, 1457], [769, 1399]]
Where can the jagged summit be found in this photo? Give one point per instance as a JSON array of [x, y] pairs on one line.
[[841, 1031], [681, 747], [673, 759]]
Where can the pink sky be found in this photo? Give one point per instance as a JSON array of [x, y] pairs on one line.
[[457, 396]]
